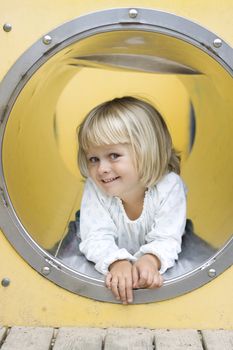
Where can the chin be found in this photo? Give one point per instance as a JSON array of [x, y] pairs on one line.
[[110, 193]]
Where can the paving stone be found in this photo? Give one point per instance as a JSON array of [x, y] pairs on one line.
[[79, 339], [218, 339], [180, 339], [2, 333], [28, 338], [128, 339]]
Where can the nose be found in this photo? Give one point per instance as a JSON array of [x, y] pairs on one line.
[[104, 167]]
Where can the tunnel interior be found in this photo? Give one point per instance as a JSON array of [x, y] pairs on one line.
[[191, 89]]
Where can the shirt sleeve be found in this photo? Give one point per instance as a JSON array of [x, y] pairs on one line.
[[164, 239], [98, 231]]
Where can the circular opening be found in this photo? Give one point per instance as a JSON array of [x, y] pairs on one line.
[[41, 186]]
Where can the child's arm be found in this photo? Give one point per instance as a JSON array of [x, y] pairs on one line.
[[164, 239]]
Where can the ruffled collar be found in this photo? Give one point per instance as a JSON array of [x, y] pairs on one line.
[[142, 215]]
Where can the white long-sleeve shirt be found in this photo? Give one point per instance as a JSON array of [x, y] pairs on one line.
[[108, 234]]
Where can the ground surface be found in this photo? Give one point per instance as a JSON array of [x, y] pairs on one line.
[[44, 338]]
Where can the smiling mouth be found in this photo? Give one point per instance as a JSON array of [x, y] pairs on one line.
[[110, 180]]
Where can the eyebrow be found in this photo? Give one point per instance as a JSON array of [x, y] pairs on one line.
[[112, 149], [88, 155]]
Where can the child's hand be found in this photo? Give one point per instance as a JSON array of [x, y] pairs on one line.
[[119, 280], [145, 272]]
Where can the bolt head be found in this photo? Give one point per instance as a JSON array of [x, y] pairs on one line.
[[212, 273], [5, 282], [217, 43], [47, 39], [133, 13], [7, 27], [46, 270]]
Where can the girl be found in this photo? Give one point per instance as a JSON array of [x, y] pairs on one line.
[[133, 210]]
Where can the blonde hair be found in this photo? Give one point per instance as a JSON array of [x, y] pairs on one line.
[[135, 122]]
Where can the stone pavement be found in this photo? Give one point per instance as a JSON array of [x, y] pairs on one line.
[[46, 338]]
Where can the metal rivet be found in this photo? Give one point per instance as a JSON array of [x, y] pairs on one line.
[[46, 270], [7, 27], [133, 13], [217, 42], [47, 39], [5, 282], [212, 273]]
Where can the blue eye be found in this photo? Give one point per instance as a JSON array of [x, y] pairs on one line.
[[93, 159], [114, 156]]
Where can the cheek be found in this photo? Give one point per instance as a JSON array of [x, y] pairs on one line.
[[91, 171], [127, 168], [129, 165]]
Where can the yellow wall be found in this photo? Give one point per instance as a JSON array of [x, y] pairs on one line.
[[32, 300]]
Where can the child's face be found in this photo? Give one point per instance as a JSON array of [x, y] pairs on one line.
[[112, 168]]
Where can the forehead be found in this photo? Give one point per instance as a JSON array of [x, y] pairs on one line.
[[112, 148]]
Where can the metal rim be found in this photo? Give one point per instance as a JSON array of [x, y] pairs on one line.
[[68, 33]]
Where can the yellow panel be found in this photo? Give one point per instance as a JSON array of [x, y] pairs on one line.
[[32, 300]]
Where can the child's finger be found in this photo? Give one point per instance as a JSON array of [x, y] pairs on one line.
[[122, 290], [108, 280], [143, 278], [114, 287], [129, 290], [135, 276], [160, 280], [157, 282], [150, 279]]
